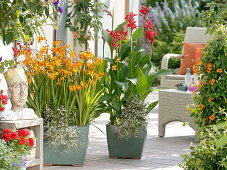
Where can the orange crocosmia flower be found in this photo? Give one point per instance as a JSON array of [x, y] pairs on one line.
[[29, 80], [43, 50], [40, 38], [201, 83], [201, 106], [114, 67], [52, 76], [212, 117], [210, 99], [219, 70], [212, 81], [57, 42]]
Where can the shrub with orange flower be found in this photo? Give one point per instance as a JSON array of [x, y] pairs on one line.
[[211, 101], [59, 78]]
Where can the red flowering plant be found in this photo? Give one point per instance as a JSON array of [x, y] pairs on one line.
[[3, 101], [19, 141], [129, 67]]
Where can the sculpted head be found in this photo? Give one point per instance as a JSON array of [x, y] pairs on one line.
[[17, 88]]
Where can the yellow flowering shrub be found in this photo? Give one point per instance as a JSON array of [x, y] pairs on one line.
[[58, 78]]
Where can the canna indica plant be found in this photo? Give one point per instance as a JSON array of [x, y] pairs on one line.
[[129, 68]]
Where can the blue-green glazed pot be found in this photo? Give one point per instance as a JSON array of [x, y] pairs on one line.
[[131, 147], [75, 156]]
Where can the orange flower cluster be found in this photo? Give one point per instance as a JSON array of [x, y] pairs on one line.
[[57, 64], [209, 67]]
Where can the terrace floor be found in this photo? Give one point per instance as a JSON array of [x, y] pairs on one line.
[[159, 153]]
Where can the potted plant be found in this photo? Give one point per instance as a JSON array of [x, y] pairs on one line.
[[84, 18], [129, 75], [73, 89], [20, 143]]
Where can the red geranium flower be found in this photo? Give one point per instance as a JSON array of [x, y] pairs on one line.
[[23, 141], [6, 131], [143, 11], [23, 132], [4, 102], [14, 135], [2, 109], [31, 142], [6, 137]]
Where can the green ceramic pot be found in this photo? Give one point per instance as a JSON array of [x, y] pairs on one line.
[[127, 148], [75, 156]]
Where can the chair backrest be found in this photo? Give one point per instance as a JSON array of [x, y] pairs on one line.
[[196, 35]]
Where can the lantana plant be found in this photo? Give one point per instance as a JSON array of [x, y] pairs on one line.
[[129, 68]]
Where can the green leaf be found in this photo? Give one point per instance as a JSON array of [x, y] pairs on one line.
[[142, 84], [137, 33], [105, 98], [222, 141], [152, 105], [116, 105], [133, 81], [119, 27], [8, 38], [123, 85]]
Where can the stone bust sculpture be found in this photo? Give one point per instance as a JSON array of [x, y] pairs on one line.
[[18, 93], [18, 88]]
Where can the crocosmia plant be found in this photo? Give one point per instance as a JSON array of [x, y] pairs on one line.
[[59, 78], [128, 68]]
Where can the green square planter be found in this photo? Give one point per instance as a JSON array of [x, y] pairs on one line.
[[131, 148], [74, 157]]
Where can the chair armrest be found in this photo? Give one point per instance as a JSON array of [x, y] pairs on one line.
[[165, 60]]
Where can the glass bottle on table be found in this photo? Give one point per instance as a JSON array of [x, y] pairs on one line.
[[188, 78]]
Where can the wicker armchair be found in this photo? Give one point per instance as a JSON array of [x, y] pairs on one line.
[[193, 35]]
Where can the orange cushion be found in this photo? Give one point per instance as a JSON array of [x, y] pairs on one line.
[[189, 52]]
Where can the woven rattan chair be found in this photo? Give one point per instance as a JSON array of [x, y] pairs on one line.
[[193, 35]]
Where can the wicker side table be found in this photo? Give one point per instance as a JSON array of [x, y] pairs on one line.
[[172, 107], [37, 126]]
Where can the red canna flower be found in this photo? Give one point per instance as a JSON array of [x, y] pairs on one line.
[[131, 21], [143, 11], [6, 137], [31, 142], [148, 25], [23, 141], [23, 132], [150, 36], [14, 135]]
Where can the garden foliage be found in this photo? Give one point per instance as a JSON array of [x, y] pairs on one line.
[[171, 23], [8, 158], [211, 102], [84, 18], [21, 19]]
